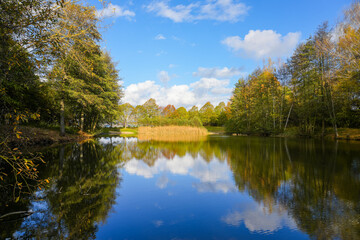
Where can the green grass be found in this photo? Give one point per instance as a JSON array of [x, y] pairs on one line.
[[349, 133], [54, 127], [129, 132], [215, 129]]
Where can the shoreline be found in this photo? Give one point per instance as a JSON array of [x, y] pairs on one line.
[[42, 137], [33, 136]]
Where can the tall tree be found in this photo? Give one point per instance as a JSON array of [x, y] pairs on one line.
[[207, 113], [127, 113], [23, 27], [75, 44], [347, 53]]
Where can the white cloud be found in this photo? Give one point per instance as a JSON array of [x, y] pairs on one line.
[[258, 218], [223, 10], [217, 72], [218, 10], [211, 86], [212, 177], [178, 13], [162, 182], [224, 187], [113, 10], [262, 44], [164, 76], [138, 93], [160, 37], [196, 93]]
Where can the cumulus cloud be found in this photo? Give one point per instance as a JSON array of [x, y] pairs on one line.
[[138, 93], [179, 13], [258, 218], [196, 93], [160, 37], [224, 187], [113, 10], [212, 177], [263, 43], [213, 86], [218, 10], [217, 72], [223, 10]]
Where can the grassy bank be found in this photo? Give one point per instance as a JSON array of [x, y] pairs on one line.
[[129, 132], [343, 134], [30, 136], [294, 132], [347, 134], [215, 129]]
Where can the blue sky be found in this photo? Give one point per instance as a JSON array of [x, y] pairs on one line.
[[186, 53]]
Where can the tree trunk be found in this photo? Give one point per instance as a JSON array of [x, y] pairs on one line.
[[273, 111], [82, 121], [62, 117], [334, 117], [95, 122], [287, 119]]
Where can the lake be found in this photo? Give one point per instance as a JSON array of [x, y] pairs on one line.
[[219, 188]]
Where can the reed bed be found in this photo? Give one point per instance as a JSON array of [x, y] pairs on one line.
[[172, 133]]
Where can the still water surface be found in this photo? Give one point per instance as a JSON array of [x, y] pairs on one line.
[[220, 188]]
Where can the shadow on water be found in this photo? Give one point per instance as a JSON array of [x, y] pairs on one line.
[[316, 183]]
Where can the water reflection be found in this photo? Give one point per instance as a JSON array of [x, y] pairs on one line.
[[224, 187], [82, 191], [306, 184], [258, 218]]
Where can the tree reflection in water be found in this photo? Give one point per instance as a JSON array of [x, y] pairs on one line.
[[317, 183], [82, 191], [306, 184]]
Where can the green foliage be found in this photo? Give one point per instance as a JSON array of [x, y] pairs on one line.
[[317, 88], [126, 114], [182, 113], [194, 112], [207, 114], [256, 104]]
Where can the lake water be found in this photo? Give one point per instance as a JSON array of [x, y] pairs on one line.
[[220, 188]]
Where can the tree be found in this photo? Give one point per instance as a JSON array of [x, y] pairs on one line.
[[256, 103], [151, 109], [194, 112], [127, 113], [23, 37], [220, 115], [84, 76], [347, 89], [170, 112], [139, 114], [207, 113], [182, 113], [312, 67], [74, 38]]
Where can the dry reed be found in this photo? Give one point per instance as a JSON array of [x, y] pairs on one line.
[[172, 133]]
